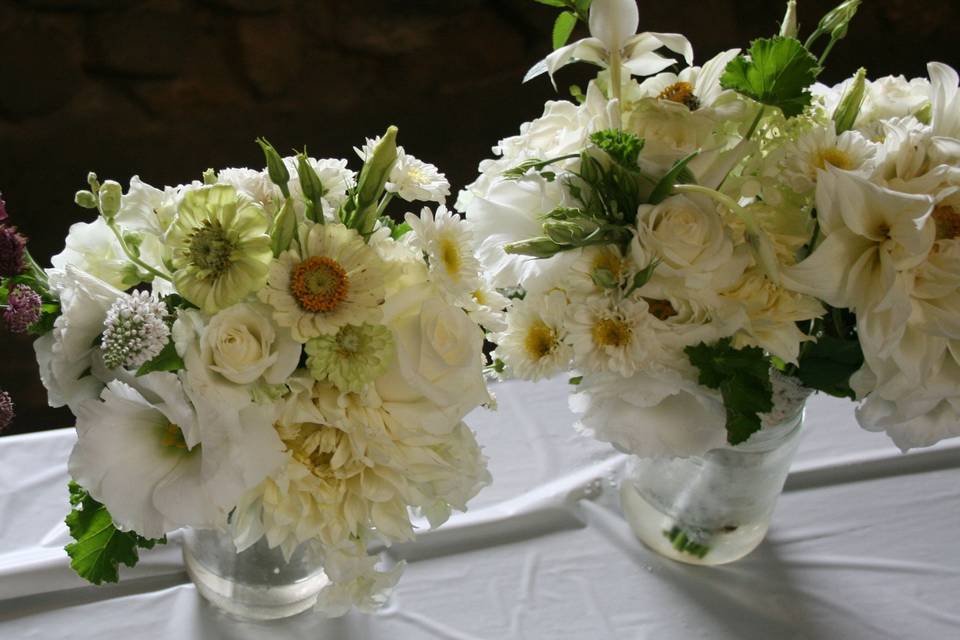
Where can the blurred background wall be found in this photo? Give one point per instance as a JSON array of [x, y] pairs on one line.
[[166, 88]]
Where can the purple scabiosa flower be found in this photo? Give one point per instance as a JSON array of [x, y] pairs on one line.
[[6, 410], [12, 246], [23, 308]]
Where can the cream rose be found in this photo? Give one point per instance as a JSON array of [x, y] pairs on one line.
[[242, 344], [439, 350]]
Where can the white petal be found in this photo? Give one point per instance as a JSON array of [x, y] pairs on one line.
[[613, 21]]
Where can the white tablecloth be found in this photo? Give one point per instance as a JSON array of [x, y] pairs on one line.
[[864, 544]]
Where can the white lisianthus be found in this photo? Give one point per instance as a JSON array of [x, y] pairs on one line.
[[653, 414], [93, 248], [158, 466], [68, 355], [447, 242], [534, 344]]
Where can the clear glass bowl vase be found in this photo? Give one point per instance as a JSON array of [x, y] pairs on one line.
[[713, 509], [257, 583]]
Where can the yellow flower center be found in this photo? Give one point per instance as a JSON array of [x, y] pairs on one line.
[[450, 257], [836, 157], [319, 284], [610, 332], [660, 309], [540, 341], [210, 248], [172, 436], [610, 262], [681, 92], [947, 220]]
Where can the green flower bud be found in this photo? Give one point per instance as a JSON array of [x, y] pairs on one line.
[[312, 188], [604, 279], [133, 242], [85, 199], [845, 117], [110, 193], [788, 28], [275, 167], [284, 228], [569, 232], [535, 248], [837, 20], [93, 182], [372, 182]]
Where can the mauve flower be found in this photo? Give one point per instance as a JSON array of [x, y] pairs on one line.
[[23, 308], [11, 250], [3, 210], [6, 410]]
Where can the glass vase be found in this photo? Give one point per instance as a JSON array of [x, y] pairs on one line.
[[713, 509], [256, 583]]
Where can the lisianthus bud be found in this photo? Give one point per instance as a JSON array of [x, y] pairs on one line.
[[110, 194], [284, 228], [845, 117], [837, 20], [11, 251], [788, 28], [23, 308], [373, 179], [275, 167], [535, 248], [312, 188], [569, 232], [6, 410]]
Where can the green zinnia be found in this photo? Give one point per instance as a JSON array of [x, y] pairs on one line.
[[351, 358], [220, 248]]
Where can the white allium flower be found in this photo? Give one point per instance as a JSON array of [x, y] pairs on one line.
[[447, 241], [413, 179], [533, 345], [135, 331]]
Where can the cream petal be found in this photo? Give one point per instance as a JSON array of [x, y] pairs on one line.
[[613, 22]]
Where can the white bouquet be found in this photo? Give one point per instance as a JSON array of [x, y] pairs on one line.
[[265, 352], [704, 247]]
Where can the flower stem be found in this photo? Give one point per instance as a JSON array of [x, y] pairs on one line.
[[615, 80], [384, 202], [756, 122], [131, 256]]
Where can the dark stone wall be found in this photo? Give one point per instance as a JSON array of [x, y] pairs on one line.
[[167, 88]]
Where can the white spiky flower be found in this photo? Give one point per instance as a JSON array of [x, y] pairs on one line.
[[135, 331], [414, 179]]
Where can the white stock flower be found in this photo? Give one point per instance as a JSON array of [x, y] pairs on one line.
[[533, 345], [447, 242]]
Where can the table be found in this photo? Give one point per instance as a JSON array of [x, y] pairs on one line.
[[864, 544]]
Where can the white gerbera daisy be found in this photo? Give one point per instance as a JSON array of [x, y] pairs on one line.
[[533, 345], [333, 280], [413, 179], [820, 147], [447, 241]]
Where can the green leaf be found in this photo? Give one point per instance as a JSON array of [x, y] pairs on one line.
[[563, 28], [642, 277], [827, 365], [677, 174], [166, 360], [743, 378], [778, 73], [400, 230], [99, 546], [576, 380], [624, 148]]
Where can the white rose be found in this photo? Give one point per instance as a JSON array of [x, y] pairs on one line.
[[242, 344], [691, 241], [439, 350]]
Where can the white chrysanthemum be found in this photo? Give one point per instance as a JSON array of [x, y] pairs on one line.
[[413, 179], [351, 358], [610, 336], [333, 280], [486, 307], [533, 345], [135, 331], [447, 241], [822, 147]]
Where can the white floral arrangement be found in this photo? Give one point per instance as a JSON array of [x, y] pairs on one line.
[[703, 246], [265, 352]]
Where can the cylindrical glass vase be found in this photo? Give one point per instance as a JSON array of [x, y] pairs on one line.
[[713, 509], [257, 583]]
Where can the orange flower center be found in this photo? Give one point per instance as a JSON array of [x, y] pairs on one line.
[[681, 92], [947, 220], [319, 284]]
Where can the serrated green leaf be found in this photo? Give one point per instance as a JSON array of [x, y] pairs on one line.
[[166, 360], [827, 365], [743, 378], [623, 148], [563, 28], [778, 73], [99, 546]]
